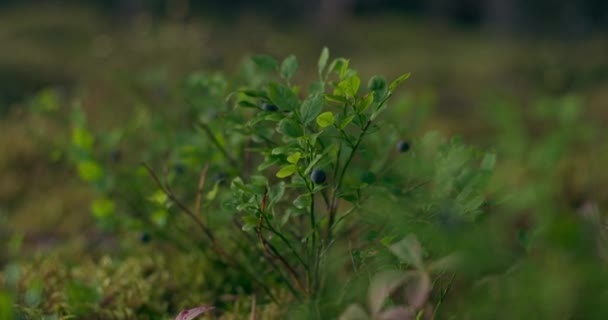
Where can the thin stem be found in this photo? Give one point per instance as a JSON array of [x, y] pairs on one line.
[[334, 208], [313, 226], [442, 296], [199, 193], [223, 150], [274, 253], [282, 237], [269, 259], [268, 247], [346, 214], [169, 193]]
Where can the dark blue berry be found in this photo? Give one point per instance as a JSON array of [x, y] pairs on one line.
[[179, 169], [116, 155], [270, 107], [318, 176], [144, 237], [220, 177], [403, 146]]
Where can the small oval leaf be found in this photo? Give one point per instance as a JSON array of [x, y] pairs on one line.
[[287, 171], [325, 119]]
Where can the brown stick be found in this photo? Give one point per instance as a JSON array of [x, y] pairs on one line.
[[252, 315], [199, 193], [167, 190], [268, 247]]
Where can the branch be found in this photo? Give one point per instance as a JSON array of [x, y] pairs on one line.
[[199, 193], [223, 150], [268, 247], [169, 193]]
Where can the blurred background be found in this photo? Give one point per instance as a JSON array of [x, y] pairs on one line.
[[478, 67], [528, 78]]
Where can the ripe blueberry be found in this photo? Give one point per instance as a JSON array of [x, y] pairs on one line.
[[270, 107], [403, 146], [318, 176], [179, 169], [220, 177], [116, 155], [144, 237]]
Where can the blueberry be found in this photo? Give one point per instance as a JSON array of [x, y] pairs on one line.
[[144, 237], [116, 155], [270, 107], [220, 177], [179, 169], [403, 146], [318, 176]]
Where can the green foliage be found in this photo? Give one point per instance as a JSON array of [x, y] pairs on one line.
[[291, 221], [227, 181]]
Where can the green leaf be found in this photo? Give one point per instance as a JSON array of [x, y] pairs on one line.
[[340, 66], [266, 63], [250, 222], [258, 180], [313, 163], [238, 184], [159, 217], [325, 119], [397, 81], [159, 197], [346, 121], [302, 201], [289, 67], [269, 162], [376, 83], [348, 87], [334, 98], [254, 93], [283, 97], [213, 192], [378, 111], [281, 150], [488, 162], [323, 60], [364, 103], [287, 171], [311, 107], [82, 139], [247, 104], [290, 128], [89, 171], [294, 157], [102, 208], [276, 193], [316, 87]]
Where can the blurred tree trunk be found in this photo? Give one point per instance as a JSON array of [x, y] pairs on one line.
[[439, 10], [500, 16], [573, 20], [324, 14], [330, 13], [129, 9]]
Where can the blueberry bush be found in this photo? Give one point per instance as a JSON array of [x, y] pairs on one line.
[[264, 197]]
